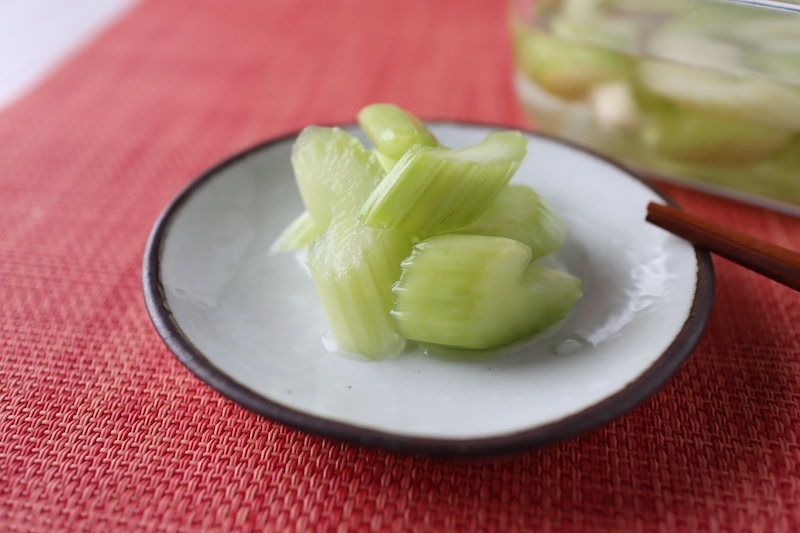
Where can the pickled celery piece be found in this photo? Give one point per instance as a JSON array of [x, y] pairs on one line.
[[436, 190], [320, 157], [519, 213], [758, 100], [605, 32], [393, 130], [774, 46], [774, 177], [693, 136], [477, 292], [298, 234], [568, 69], [698, 42], [386, 162], [593, 9], [732, 42], [785, 65], [353, 266]]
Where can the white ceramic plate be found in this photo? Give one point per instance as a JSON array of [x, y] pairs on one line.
[[249, 323]]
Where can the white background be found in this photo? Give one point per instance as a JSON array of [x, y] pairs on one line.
[[36, 35]]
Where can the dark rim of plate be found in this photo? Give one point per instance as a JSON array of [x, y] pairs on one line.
[[596, 415]]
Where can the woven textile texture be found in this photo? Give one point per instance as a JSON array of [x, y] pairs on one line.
[[104, 430]]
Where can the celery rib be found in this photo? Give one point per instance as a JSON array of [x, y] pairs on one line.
[[519, 213], [393, 130], [436, 190], [298, 234], [353, 265], [502, 297]]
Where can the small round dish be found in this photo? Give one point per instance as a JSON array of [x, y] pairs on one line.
[[249, 324]]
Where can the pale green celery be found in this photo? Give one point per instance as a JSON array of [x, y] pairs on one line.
[[695, 48], [693, 136], [774, 177], [758, 100], [321, 158], [478, 292], [623, 11], [778, 176], [386, 162], [591, 9], [783, 64], [393, 130], [568, 69], [519, 213], [733, 38], [603, 31], [657, 7], [436, 190], [582, 10], [298, 234], [775, 47], [353, 266], [776, 32], [772, 46], [740, 26], [746, 47]]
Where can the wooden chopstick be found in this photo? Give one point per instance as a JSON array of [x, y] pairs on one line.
[[763, 257]]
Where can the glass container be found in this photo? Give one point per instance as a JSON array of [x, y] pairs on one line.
[[705, 92]]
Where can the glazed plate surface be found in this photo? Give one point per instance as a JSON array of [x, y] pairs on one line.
[[249, 323]]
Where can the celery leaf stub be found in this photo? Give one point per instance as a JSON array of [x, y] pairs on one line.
[[439, 190]]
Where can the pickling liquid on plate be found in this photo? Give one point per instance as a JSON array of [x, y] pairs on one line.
[[562, 344]]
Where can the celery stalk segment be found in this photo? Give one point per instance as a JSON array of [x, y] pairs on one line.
[[568, 69], [519, 213], [694, 136], [321, 159], [393, 130], [477, 292], [353, 265], [474, 290], [298, 234], [438, 190]]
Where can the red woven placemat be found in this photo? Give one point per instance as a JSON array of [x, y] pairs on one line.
[[103, 430]]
